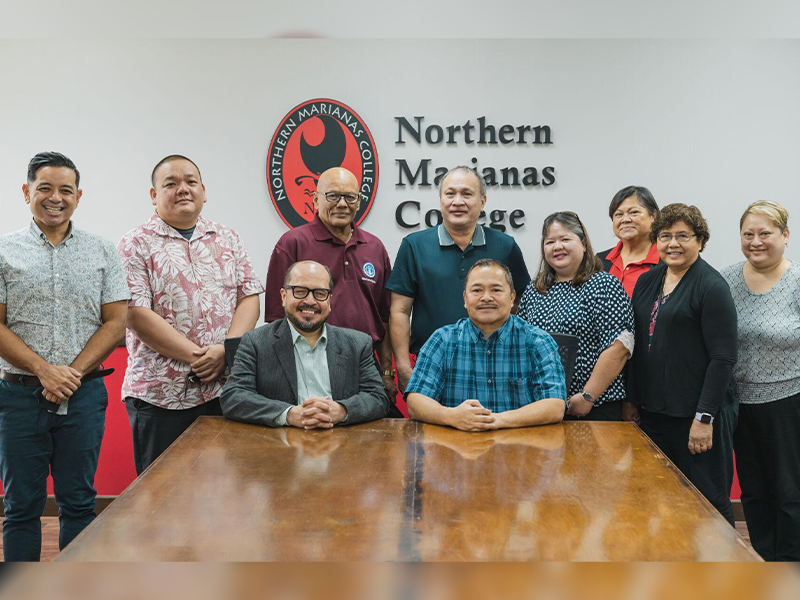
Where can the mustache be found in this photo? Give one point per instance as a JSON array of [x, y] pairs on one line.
[[302, 307]]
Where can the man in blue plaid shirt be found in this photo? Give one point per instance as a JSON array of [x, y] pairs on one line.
[[489, 371]]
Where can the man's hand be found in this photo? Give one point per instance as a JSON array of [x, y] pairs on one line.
[[579, 406], [471, 416], [316, 413], [700, 437], [403, 376], [390, 387], [210, 363], [59, 382]]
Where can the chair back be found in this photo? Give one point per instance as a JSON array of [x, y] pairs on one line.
[[231, 345], [568, 352]]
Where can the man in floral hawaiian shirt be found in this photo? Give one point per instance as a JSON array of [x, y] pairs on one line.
[[192, 286]]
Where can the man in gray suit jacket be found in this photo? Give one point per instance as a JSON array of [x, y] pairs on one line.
[[301, 372]]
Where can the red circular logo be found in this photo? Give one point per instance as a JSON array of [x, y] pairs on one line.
[[313, 137]]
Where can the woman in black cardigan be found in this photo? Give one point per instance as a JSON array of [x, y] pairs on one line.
[[681, 371]]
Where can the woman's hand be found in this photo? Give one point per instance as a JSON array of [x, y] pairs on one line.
[[700, 437], [579, 406]]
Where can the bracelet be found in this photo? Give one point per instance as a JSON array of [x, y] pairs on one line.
[[389, 372]]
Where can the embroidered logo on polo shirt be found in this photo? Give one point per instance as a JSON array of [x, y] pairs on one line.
[[313, 137], [369, 269]]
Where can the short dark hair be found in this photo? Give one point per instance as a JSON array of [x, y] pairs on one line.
[[171, 158], [51, 159], [642, 195], [288, 274], [590, 264], [691, 215], [494, 264]]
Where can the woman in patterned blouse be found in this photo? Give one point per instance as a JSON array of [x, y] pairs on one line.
[[572, 294], [766, 292]]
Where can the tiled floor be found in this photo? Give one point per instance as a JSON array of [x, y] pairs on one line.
[[50, 537]]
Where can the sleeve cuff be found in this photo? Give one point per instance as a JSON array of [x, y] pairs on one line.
[[281, 420]]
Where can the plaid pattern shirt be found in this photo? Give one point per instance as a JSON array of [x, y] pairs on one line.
[[517, 365]]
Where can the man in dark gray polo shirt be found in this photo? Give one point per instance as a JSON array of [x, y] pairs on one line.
[[63, 307], [431, 265]]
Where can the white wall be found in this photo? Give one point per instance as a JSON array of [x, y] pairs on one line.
[[713, 123]]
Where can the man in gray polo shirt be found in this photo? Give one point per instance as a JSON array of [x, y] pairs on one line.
[[63, 307]]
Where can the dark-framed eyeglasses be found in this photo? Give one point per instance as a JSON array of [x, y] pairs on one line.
[[334, 197], [300, 292], [681, 237]]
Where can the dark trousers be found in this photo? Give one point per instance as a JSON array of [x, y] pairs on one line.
[[608, 411], [767, 443], [711, 472], [34, 442], [155, 428]]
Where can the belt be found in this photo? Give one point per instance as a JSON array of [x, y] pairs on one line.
[[33, 381]]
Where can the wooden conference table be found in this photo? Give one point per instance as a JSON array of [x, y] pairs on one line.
[[398, 490]]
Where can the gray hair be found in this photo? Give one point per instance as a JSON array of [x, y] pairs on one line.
[[463, 169]]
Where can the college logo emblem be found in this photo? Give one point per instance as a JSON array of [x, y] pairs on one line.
[[313, 137], [369, 270]]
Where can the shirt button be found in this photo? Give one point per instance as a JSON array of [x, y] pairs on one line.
[[488, 352], [490, 381], [346, 263]]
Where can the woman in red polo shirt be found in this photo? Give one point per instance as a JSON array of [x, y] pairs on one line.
[[632, 211]]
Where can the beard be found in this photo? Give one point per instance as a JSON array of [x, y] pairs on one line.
[[304, 325]]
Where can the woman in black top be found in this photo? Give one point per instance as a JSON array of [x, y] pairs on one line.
[[681, 372]]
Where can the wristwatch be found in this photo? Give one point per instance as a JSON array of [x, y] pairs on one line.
[[389, 372], [704, 418], [587, 396]]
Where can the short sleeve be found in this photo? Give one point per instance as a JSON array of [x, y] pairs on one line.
[[403, 279], [134, 265], [428, 375], [549, 380], [247, 282], [519, 271], [282, 258], [115, 284], [611, 310]]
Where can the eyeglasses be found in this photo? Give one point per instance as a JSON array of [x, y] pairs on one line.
[[681, 238], [300, 292], [334, 197]]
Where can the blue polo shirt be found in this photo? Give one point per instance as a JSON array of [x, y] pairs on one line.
[[431, 269]]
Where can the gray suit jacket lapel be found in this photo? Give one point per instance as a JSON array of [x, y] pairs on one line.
[[337, 365], [284, 350]]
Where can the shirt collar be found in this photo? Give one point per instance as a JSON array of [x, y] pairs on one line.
[[38, 233], [615, 251], [321, 233], [652, 257], [296, 335], [478, 238], [477, 334], [160, 226]]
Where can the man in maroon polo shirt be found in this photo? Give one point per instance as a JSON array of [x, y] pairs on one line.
[[358, 262]]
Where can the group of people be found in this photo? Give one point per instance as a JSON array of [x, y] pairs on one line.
[[663, 339]]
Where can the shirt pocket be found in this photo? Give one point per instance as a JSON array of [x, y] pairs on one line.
[[519, 393]]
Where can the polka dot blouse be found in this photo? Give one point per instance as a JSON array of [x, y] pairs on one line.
[[598, 312]]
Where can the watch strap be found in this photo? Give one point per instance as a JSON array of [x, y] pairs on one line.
[[704, 418]]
